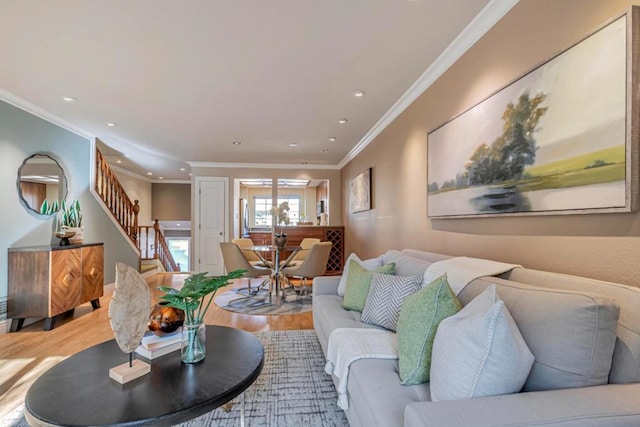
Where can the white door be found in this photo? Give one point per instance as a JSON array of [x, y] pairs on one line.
[[211, 223]]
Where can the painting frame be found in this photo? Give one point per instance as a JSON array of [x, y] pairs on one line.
[[481, 183], [360, 191]]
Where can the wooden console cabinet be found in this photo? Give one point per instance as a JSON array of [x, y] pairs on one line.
[[295, 234], [48, 281]]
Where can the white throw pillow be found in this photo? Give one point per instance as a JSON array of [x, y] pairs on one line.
[[369, 264], [479, 351]]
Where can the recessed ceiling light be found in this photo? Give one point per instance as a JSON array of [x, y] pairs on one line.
[[149, 173], [118, 161], [161, 177], [325, 151], [189, 174], [69, 99], [293, 144], [236, 142], [333, 139], [342, 121], [177, 224], [358, 93], [182, 169], [111, 125]]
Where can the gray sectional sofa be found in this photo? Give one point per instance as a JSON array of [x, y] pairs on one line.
[[587, 367]]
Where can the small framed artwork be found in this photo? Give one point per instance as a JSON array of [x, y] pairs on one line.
[[561, 139], [360, 191]]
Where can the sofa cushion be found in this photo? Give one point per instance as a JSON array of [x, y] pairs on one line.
[[406, 265], [571, 334], [369, 264], [479, 351], [376, 397], [329, 315], [386, 295], [417, 325], [358, 282]]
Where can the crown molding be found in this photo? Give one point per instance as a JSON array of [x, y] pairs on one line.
[[30, 108], [486, 19], [261, 165]]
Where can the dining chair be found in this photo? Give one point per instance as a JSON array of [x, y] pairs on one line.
[[234, 259], [246, 244], [301, 255], [314, 265]]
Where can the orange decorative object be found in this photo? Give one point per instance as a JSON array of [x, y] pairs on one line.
[[165, 319]]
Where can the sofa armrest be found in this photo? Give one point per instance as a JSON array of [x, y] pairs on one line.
[[605, 405], [325, 285]]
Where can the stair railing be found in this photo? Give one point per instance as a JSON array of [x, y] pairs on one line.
[[115, 198], [149, 238]]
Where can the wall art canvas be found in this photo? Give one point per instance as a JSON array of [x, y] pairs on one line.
[[556, 140], [360, 191]]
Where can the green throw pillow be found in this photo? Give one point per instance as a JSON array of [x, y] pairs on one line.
[[358, 282], [417, 324]]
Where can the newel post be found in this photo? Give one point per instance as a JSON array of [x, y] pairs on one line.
[[156, 241], [134, 230]]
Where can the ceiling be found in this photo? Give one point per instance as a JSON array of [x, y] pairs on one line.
[[182, 81]]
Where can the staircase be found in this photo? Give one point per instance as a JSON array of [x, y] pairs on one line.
[[149, 239]]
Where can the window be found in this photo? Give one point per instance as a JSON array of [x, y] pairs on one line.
[[179, 248], [262, 209]]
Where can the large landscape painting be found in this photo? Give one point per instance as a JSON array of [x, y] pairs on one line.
[[553, 141]]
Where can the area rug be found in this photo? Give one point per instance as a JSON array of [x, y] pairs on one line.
[[264, 304], [292, 389]]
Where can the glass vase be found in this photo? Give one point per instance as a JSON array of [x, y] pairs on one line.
[[193, 342]]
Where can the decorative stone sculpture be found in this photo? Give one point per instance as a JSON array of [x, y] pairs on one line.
[[129, 312]]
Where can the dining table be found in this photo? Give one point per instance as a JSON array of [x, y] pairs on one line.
[[275, 264]]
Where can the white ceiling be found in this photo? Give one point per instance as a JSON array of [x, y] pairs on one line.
[[183, 80]]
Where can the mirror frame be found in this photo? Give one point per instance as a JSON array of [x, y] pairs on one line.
[[63, 181]]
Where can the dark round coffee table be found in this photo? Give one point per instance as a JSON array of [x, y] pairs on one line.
[[78, 390]]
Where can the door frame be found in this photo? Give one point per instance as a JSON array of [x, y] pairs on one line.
[[195, 229]]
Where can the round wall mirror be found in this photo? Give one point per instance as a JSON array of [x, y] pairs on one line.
[[42, 185]]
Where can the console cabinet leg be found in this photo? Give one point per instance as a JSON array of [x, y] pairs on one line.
[[49, 323], [16, 324], [95, 303]]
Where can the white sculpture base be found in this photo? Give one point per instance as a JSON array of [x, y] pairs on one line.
[[125, 373]]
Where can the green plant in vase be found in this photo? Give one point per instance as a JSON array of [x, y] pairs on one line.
[[194, 298], [70, 220]]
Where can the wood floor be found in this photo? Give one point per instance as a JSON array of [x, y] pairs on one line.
[[26, 354]]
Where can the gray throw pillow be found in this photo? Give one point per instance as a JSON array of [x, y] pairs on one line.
[[479, 351], [386, 295]]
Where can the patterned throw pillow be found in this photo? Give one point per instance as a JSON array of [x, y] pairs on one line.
[[417, 325], [386, 295], [479, 352], [358, 282]]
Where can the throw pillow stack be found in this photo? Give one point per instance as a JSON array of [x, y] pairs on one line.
[[401, 304]]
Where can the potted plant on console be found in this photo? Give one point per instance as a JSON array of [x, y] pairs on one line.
[[70, 221], [192, 299]]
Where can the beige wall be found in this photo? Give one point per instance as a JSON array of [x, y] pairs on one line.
[[603, 246], [171, 202]]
